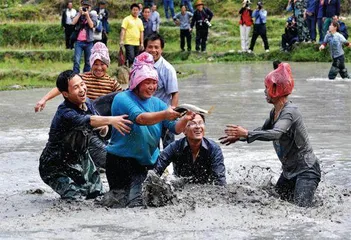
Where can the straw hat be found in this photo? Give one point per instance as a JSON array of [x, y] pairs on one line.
[[199, 2]]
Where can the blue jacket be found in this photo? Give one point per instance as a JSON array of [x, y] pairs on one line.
[[207, 168], [331, 9]]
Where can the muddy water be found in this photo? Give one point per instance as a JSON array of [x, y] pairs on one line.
[[247, 209]]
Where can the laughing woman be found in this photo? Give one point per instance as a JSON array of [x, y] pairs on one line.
[[130, 156], [286, 129]]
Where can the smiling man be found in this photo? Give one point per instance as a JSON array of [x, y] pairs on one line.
[[194, 156], [65, 164]]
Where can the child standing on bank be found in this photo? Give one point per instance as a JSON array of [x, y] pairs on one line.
[[336, 40]]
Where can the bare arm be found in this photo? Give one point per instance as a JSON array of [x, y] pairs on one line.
[[151, 118], [90, 22], [182, 122], [76, 18], [50, 95], [141, 45], [175, 99], [118, 122], [121, 38]]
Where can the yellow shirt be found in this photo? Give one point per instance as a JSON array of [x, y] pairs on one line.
[[133, 27]]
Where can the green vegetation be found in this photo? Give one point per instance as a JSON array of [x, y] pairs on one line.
[[32, 50]]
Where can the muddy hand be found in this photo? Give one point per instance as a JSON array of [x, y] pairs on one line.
[[227, 140], [236, 131], [40, 106], [120, 123]]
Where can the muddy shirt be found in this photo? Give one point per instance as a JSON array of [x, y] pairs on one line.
[[68, 117], [290, 140], [207, 168]]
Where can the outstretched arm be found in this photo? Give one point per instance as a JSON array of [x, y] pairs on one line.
[[50, 95], [118, 122]]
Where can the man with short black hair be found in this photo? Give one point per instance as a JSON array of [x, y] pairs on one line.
[[66, 22], [167, 89], [194, 157], [145, 18], [65, 164], [132, 34]]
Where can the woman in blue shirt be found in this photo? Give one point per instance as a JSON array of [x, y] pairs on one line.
[[130, 156]]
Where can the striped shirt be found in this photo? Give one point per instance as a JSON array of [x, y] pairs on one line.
[[97, 87]]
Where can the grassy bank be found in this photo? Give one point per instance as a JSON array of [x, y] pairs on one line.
[[33, 53]]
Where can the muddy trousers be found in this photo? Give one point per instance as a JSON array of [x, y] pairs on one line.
[[300, 189], [259, 30], [126, 174], [338, 66]]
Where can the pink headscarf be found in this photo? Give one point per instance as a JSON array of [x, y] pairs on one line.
[[280, 82], [143, 68], [99, 52]]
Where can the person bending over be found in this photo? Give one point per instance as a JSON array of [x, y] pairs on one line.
[[65, 164], [286, 129]]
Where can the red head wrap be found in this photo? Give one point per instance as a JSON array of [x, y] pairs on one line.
[[279, 82]]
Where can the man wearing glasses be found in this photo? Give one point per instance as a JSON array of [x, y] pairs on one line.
[[194, 157]]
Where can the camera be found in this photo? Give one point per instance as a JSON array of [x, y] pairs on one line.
[[208, 23], [84, 9]]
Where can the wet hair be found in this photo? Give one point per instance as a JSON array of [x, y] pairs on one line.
[[63, 79], [336, 24], [154, 37], [146, 7], [182, 5], [134, 5], [276, 64], [202, 116]]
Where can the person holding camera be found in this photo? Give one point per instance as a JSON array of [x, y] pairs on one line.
[[103, 15], [66, 22], [245, 25], [290, 36], [260, 29], [202, 18], [85, 22]]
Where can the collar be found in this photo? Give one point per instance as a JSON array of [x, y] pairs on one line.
[[74, 106], [158, 63], [203, 143]]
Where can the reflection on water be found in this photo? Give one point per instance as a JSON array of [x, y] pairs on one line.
[[236, 92]]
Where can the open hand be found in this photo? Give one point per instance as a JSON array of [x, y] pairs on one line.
[[120, 123], [236, 131], [227, 140]]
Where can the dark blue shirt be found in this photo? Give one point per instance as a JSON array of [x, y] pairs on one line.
[[207, 168], [147, 27], [312, 6], [331, 9], [69, 116]]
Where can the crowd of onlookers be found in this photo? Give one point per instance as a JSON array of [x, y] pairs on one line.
[[82, 141]]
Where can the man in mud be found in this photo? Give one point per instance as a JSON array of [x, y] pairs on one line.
[[194, 157], [286, 129], [65, 164], [167, 86]]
